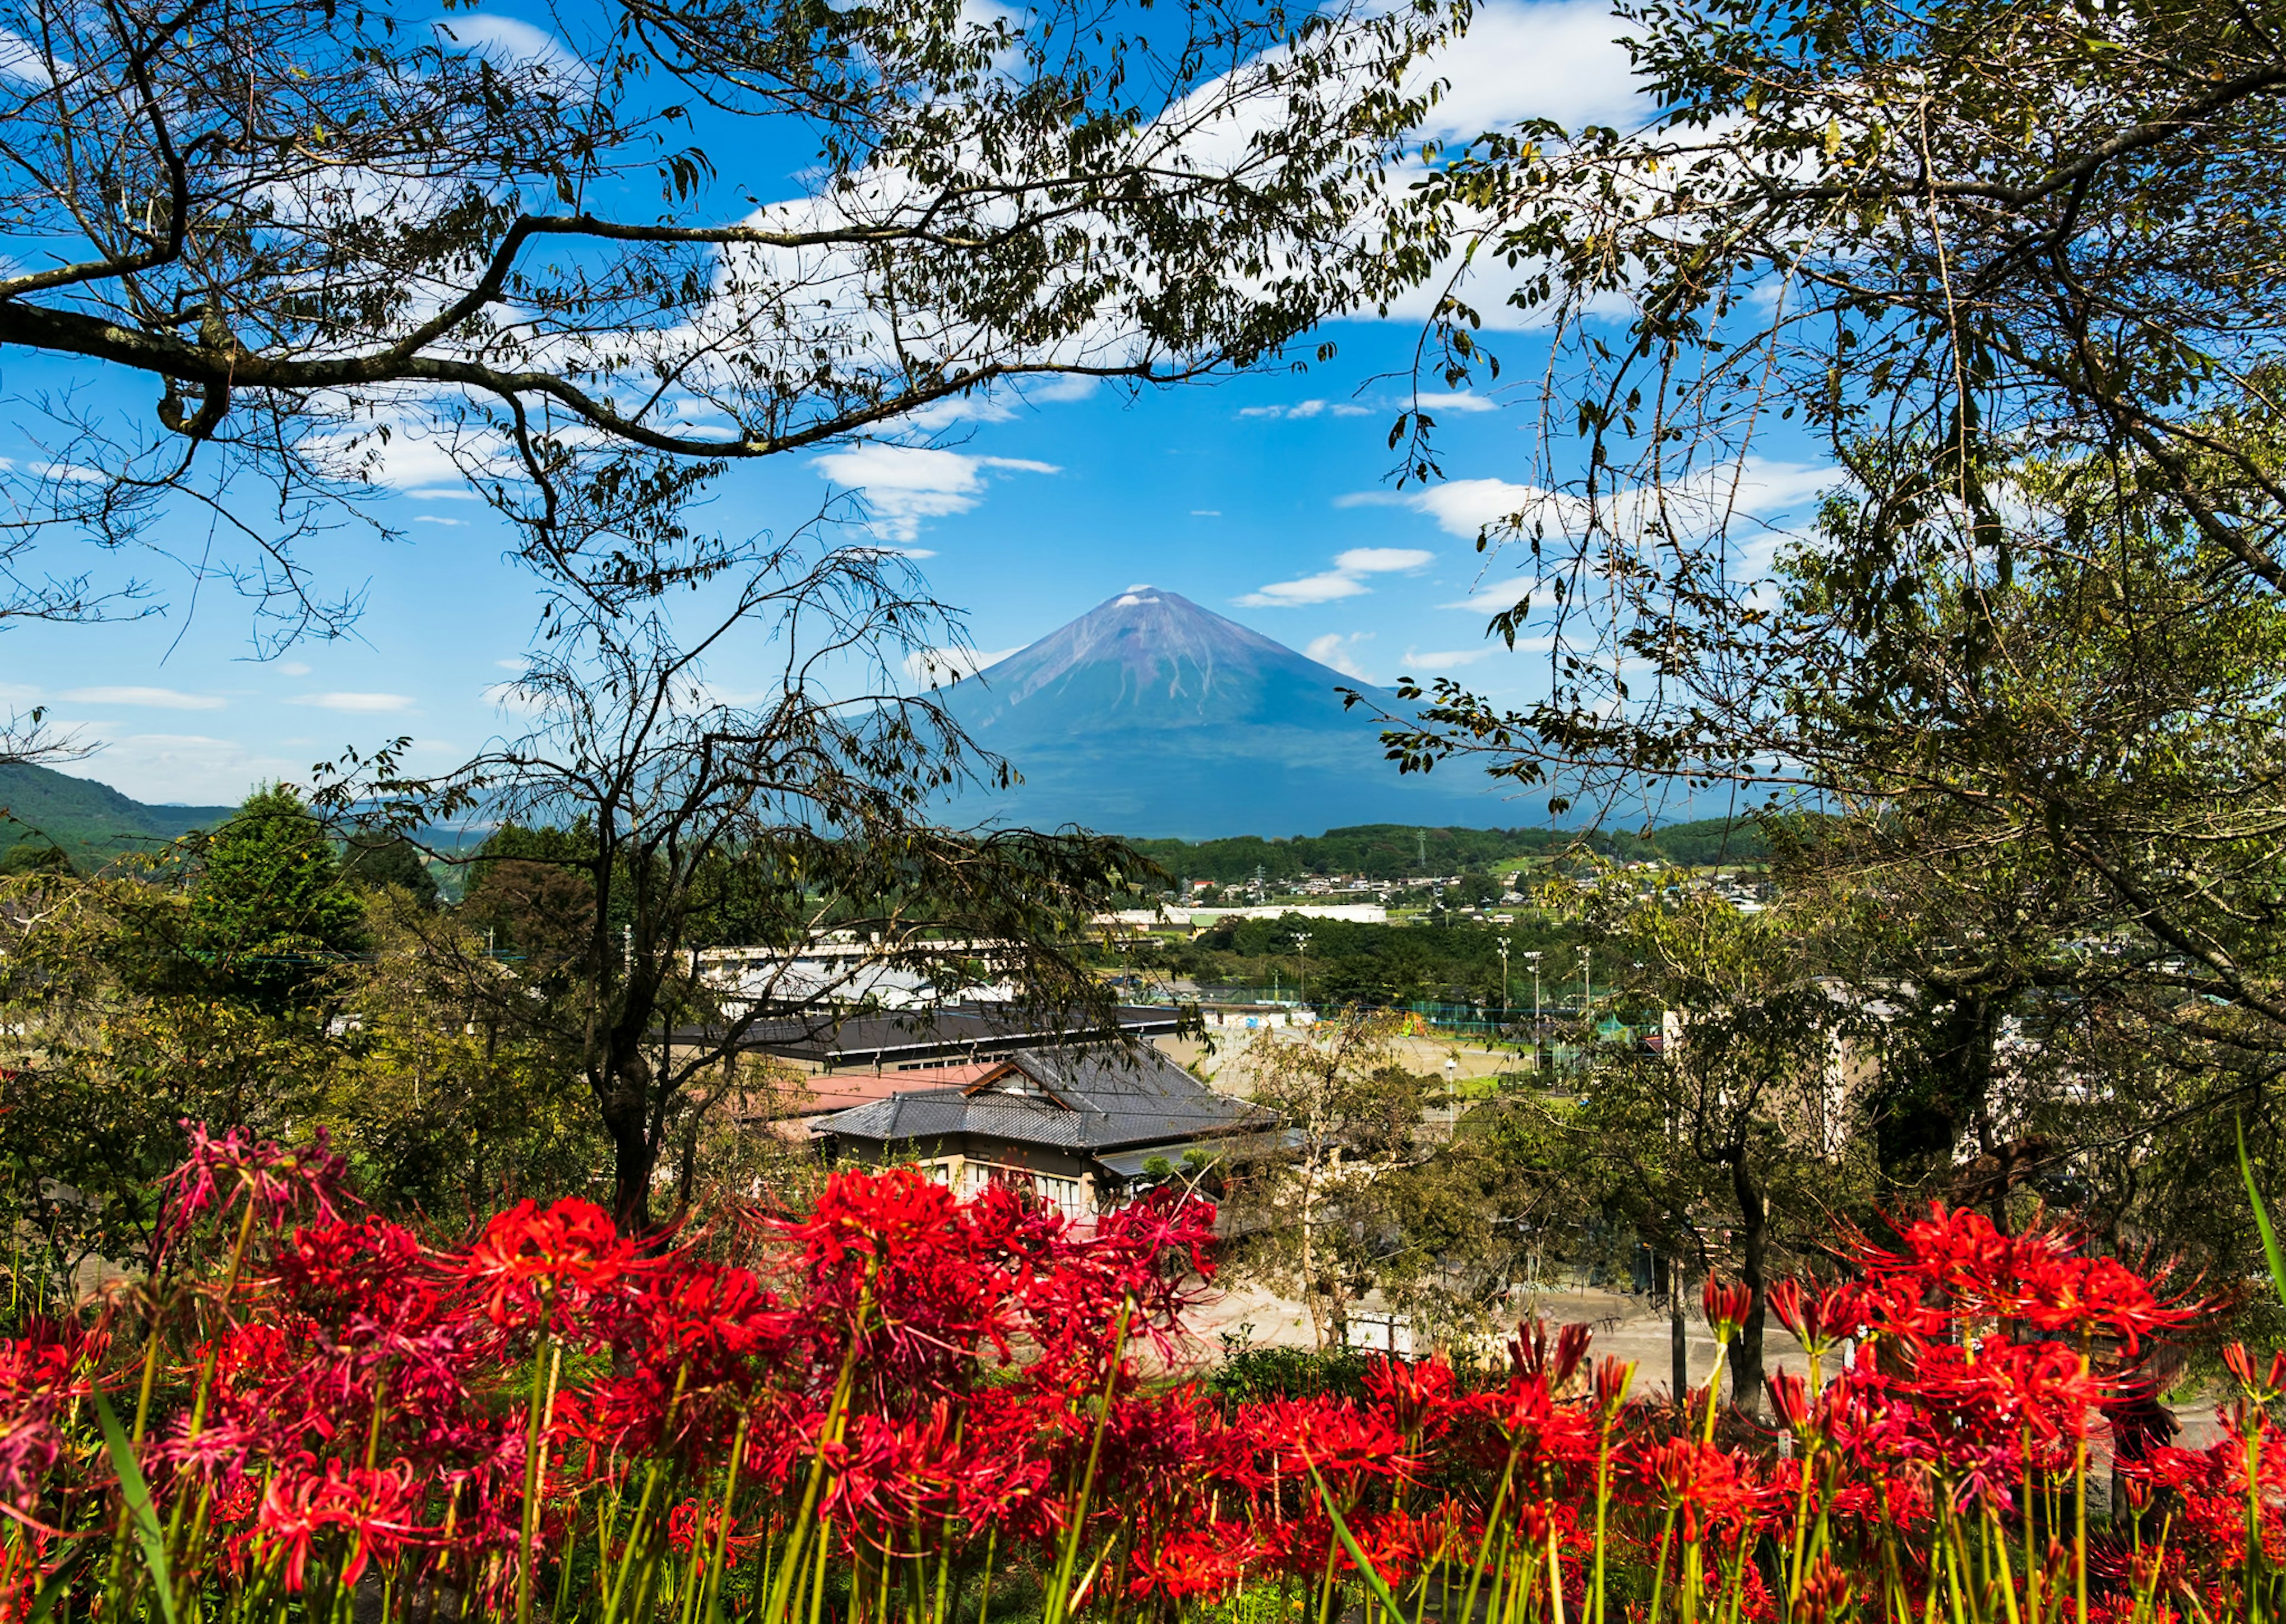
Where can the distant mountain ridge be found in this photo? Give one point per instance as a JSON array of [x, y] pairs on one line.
[[1151, 716], [91, 821]]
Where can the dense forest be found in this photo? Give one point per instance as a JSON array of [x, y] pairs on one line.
[[1456, 962], [1403, 851]]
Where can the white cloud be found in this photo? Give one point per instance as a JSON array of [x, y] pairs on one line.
[[294, 668], [905, 484], [938, 667], [1339, 651], [507, 43], [1756, 491], [1305, 409], [163, 767], [1460, 507], [21, 62], [1495, 599], [881, 549], [1445, 659], [1541, 59], [1206, 513], [975, 407], [1322, 588], [1433, 404], [1381, 560], [512, 697], [153, 698], [1341, 582], [444, 493], [1077, 388], [366, 703]]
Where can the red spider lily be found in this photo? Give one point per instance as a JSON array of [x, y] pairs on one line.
[[1818, 1316], [534, 1264], [1418, 1394], [951, 1369], [2036, 1276], [1613, 1377], [1203, 1561], [219, 1172], [370, 1505], [1337, 1437], [1826, 1591], [1727, 1304], [1790, 1400], [1531, 1353], [1703, 1481], [2240, 1366], [683, 1526]]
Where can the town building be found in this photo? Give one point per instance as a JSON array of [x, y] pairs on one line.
[[830, 1039], [1085, 1127]]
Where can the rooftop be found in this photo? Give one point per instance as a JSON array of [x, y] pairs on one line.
[[885, 1042], [1094, 1098]]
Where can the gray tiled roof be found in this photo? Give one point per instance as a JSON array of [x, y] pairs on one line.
[[959, 1031], [1110, 1098]]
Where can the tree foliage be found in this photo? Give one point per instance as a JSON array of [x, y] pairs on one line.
[[268, 908], [2002, 270], [305, 237]]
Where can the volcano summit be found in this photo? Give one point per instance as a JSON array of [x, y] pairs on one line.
[[1150, 716]]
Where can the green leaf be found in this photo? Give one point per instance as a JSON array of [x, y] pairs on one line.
[[52, 1588], [2262, 1219], [137, 1494], [1349, 1544]]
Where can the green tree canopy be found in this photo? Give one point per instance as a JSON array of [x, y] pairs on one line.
[[377, 860], [268, 908]]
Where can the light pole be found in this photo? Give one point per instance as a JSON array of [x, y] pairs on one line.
[[1534, 957], [1302, 945], [1588, 982], [1504, 953]]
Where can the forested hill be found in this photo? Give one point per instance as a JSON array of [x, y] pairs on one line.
[[91, 822], [1401, 851]]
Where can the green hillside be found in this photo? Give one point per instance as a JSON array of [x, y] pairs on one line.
[[91, 822], [1400, 851]]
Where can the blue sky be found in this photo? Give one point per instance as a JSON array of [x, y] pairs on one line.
[[1266, 498]]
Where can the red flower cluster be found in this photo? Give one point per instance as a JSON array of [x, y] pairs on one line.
[[912, 1388]]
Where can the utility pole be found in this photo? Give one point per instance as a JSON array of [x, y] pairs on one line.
[[1587, 981], [1504, 953], [1301, 944], [1534, 957]]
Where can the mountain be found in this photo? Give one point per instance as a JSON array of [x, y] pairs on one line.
[[92, 821], [1149, 715]]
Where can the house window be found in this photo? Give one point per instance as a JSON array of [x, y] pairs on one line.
[[1063, 1193]]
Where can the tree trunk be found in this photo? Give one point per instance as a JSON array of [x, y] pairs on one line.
[[625, 1099], [1754, 1219], [1329, 1319], [1678, 1336], [633, 1162]]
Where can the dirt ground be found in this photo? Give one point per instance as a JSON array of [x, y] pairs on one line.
[[1222, 1058]]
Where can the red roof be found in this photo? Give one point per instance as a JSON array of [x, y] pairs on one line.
[[819, 1092]]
